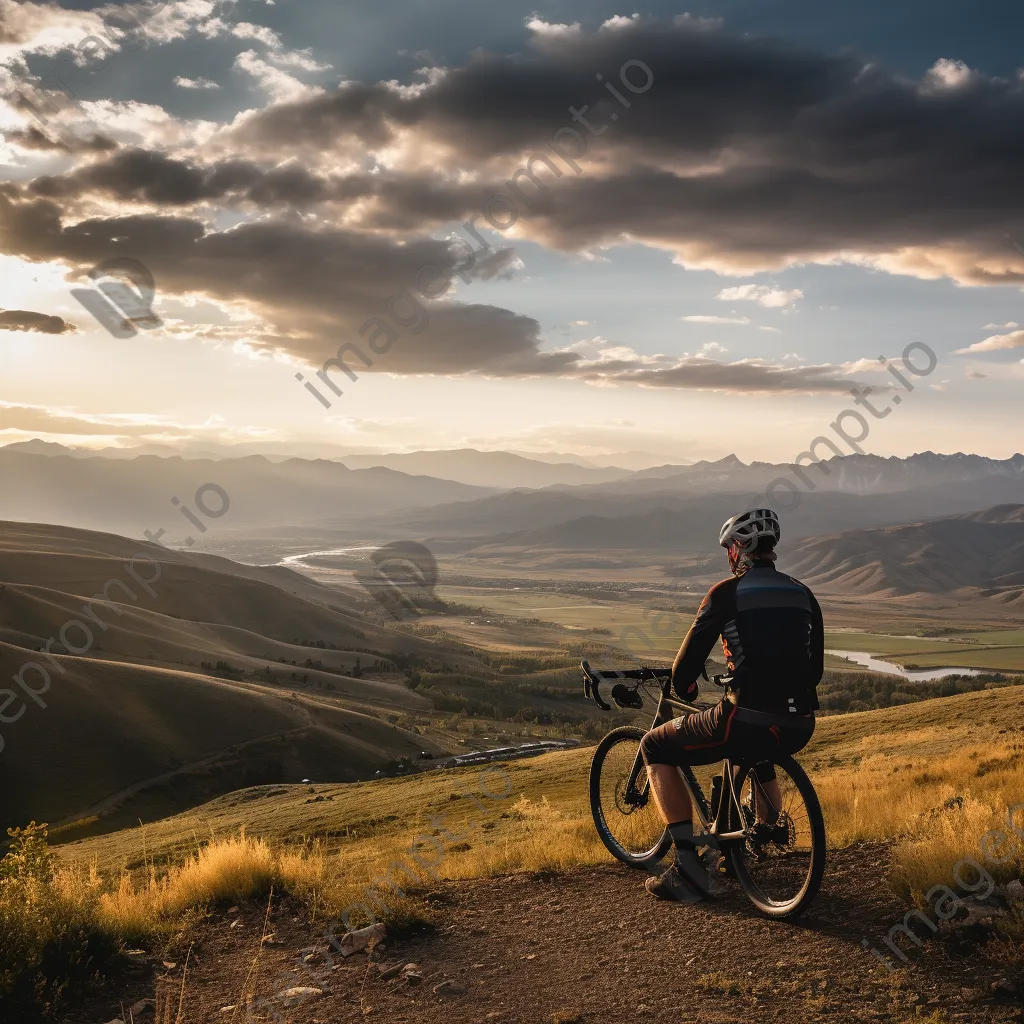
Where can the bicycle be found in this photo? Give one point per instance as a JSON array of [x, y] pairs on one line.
[[777, 854]]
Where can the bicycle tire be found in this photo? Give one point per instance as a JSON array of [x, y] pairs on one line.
[[802, 900], [632, 735]]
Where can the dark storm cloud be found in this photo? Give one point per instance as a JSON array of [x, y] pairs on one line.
[[318, 287], [745, 152], [41, 323]]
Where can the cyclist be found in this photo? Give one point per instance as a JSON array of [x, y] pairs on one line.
[[773, 640]]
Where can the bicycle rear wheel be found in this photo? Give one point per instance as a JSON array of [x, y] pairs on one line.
[[782, 859], [622, 803]]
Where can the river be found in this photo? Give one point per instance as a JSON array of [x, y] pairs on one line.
[[869, 661]]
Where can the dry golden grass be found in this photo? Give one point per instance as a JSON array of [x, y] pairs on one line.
[[881, 775], [936, 809]]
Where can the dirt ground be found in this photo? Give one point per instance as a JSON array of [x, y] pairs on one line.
[[581, 948]]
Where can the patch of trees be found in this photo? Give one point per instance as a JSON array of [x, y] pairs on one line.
[[840, 692]]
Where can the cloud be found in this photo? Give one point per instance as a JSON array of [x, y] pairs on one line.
[[699, 373], [41, 323], [1012, 325], [195, 83], [697, 319], [275, 82], [48, 420], [744, 155], [974, 375], [259, 33], [995, 343], [33, 139], [770, 298]]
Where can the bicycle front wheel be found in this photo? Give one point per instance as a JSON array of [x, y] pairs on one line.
[[781, 860], [622, 803]]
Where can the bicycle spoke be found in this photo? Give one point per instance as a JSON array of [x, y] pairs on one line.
[[781, 848], [629, 811]]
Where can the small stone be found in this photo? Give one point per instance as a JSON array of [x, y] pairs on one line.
[[232, 910], [292, 997], [1004, 988], [970, 995], [141, 1007], [411, 974], [169, 964], [234, 924], [449, 988], [387, 973]]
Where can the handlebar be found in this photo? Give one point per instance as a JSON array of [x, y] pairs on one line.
[[592, 679]]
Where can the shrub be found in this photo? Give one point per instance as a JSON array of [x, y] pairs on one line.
[[50, 945]]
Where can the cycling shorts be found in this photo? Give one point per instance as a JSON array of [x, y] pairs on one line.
[[726, 730]]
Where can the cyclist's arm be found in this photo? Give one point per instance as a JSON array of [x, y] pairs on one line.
[[697, 646]]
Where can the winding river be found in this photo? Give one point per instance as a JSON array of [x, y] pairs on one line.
[[869, 661]]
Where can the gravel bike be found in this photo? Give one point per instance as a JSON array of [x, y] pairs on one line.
[[776, 853]]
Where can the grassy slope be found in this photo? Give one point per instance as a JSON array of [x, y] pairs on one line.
[[137, 706], [110, 727], [880, 775]]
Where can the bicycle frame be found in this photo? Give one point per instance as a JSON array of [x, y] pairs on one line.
[[713, 832]]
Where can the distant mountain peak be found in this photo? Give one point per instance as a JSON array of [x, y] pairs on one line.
[[38, 447]]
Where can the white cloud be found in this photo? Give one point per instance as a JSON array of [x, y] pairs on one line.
[[276, 83], [1012, 325], [711, 348], [947, 74], [301, 59], [696, 319], [195, 83], [260, 33], [771, 298], [995, 343], [553, 29], [618, 22], [774, 330]]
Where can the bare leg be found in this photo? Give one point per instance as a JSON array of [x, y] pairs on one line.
[[669, 793], [768, 809]]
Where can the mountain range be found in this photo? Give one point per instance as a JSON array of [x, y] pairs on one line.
[[479, 498]]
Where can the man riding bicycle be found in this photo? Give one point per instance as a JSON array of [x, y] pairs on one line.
[[773, 640]]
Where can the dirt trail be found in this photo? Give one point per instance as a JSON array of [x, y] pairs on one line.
[[591, 947]]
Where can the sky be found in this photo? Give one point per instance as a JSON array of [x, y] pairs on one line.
[[683, 231]]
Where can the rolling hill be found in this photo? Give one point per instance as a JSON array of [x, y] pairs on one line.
[[155, 691], [980, 551]]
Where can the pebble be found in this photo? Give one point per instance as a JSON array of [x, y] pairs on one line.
[[292, 997], [449, 988]]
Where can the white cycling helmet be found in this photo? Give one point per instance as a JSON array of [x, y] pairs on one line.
[[748, 528]]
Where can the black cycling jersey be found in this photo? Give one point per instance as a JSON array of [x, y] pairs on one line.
[[773, 639]]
